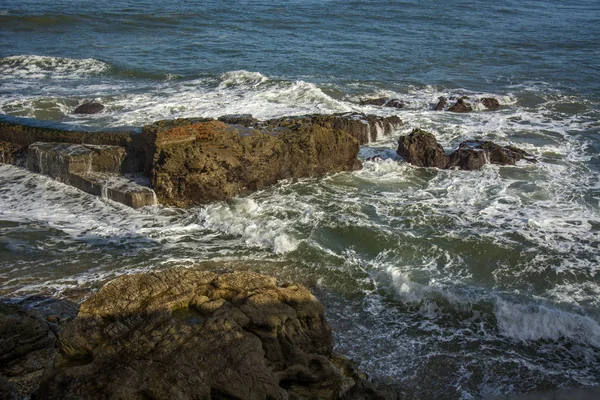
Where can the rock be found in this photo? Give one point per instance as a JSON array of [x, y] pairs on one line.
[[193, 334], [89, 108], [382, 102], [473, 154], [460, 107], [238, 119], [421, 148], [490, 103], [441, 104], [26, 347], [196, 162]]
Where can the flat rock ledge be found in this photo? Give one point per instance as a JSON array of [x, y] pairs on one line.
[[193, 334], [422, 149]]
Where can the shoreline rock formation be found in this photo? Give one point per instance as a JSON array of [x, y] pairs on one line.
[[422, 149], [190, 333], [194, 161]]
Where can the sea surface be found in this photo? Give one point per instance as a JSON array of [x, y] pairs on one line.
[[448, 284]]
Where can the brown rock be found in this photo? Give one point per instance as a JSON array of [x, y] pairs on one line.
[[421, 148], [382, 102], [192, 162], [460, 107], [474, 154], [490, 103], [192, 334], [441, 104], [238, 119], [10, 152], [89, 108]]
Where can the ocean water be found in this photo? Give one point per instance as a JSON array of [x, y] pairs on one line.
[[447, 284]]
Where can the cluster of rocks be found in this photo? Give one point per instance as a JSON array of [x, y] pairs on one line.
[[421, 148], [184, 334], [382, 102]]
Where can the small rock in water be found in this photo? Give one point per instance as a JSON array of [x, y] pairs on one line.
[[383, 102], [460, 106], [441, 104], [490, 103], [89, 108]]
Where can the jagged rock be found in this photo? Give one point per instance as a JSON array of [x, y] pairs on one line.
[[192, 162], [193, 334], [441, 104], [238, 119], [473, 154], [490, 103], [89, 108], [382, 102], [420, 148], [460, 106], [26, 347]]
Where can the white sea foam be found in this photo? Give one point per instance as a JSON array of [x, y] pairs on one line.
[[246, 218], [44, 67], [534, 322]]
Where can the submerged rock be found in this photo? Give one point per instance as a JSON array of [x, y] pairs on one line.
[[420, 148], [461, 106], [89, 108], [193, 334], [26, 347], [383, 102]]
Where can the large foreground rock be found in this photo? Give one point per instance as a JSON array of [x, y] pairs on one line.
[[422, 149], [26, 347], [192, 334]]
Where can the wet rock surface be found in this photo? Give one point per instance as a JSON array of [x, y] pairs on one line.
[[188, 333], [89, 108], [383, 102], [490, 103], [461, 106], [422, 149], [199, 161], [27, 346]]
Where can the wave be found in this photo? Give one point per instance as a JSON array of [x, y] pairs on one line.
[[46, 67]]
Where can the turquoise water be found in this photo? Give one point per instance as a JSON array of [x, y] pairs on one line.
[[449, 284]]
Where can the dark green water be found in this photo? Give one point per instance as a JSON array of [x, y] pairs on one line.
[[449, 284]]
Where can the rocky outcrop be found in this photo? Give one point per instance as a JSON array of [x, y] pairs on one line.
[[10, 152], [464, 104], [195, 162], [474, 154], [27, 345], [421, 148], [89, 108], [383, 102], [203, 160], [193, 334], [441, 104]]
